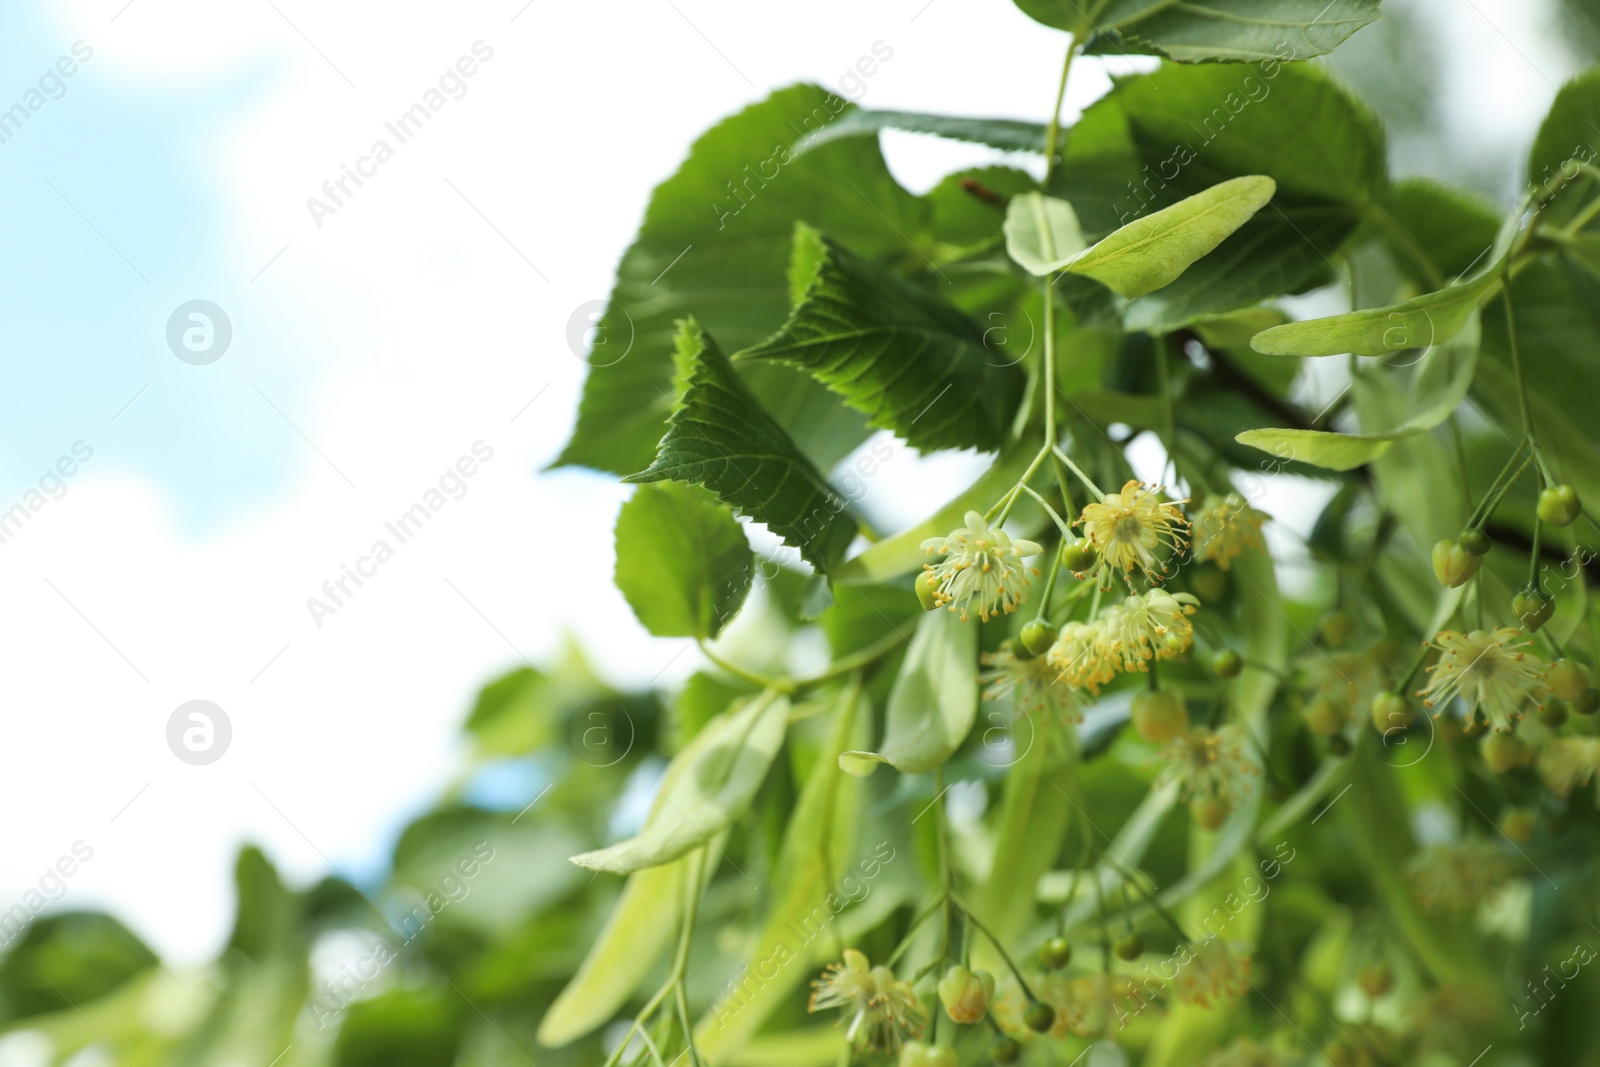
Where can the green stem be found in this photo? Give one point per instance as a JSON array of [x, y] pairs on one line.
[[857, 660], [1533, 557], [1082, 477], [905, 942], [1150, 899], [1061, 524], [782, 685], [1502, 485], [1169, 432], [1050, 582], [1016, 972], [1053, 133]]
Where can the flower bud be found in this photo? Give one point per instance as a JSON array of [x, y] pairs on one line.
[[966, 994], [1559, 505], [1038, 636], [1338, 628], [1391, 711], [1589, 703], [1567, 679], [1129, 948], [1553, 712], [1055, 953], [1079, 556], [1227, 664], [1519, 824], [1006, 1051], [1452, 564], [1504, 753], [925, 592], [1325, 716], [1532, 608], [1475, 541], [1039, 1016]]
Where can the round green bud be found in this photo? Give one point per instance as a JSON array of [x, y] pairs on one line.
[[1567, 679], [1038, 636], [1006, 1051], [1339, 746], [1454, 565], [1228, 664], [1559, 505], [965, 994], [1159, 715], [925, 592], [1129, 948], [922, 1054], [1391, 711], [1055, 953], [1475, 541], [1079, 556], [1039, 1016], [1503, 752], [1589, 703], [1553, 712], [1325, 716], [1532, 608]]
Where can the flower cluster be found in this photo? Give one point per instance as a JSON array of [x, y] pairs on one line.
[[1489, 669], [882, 1011], [1126, 637], [1456, 879], [1212, 770], [1212, 974], [1134, 529], [982, 568], [1226, 528], [1031, 683]]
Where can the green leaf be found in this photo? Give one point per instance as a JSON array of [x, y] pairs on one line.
[[1568, 138], [640, 926], [1033, 819], [1008, 135], [1150, 253], [816, 850], [1427, 320], [715, 241], [720, 437], [1240, 31], [1441, 384], [1454, 229], [682, 561], [1156, 139], [895, 352], [1057, 14], [707, 786], [1042, 233], [935, 695]]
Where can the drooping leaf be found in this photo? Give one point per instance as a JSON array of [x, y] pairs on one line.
[[1180, 130], [1008, 135], [721, 438], [1042, 233], [1150, 252], [707, 786], [640, 926], [814, 857], [1242, 31], [894, 351], [1432, 319], [715, 241], [935, 696], [1441, 384], [1568, 138], [682, 561]]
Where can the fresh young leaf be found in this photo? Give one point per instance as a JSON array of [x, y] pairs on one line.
[[708, 785], [721, 438], [1150, 252], [682, 561], [1240, 31], [1008, 135], [1158, 138], [1443, 378], [640, 926], [935, 696], [715, 240], [1568, 139], [816, 847], [912, 363], [1042, 233], [1427, 320]]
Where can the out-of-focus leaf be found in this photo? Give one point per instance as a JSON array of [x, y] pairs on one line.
[[682, 561], [1033, 819], [1152, 251], [66, 959], [1568, 138], [417, 1027], [808, 893], [1042, 233], [721, 438], [1454, 230], [894, 351], [1238, 31], [710, 784], [935, 696]]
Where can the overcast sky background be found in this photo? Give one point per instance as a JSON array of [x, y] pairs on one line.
[[429, 313]]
